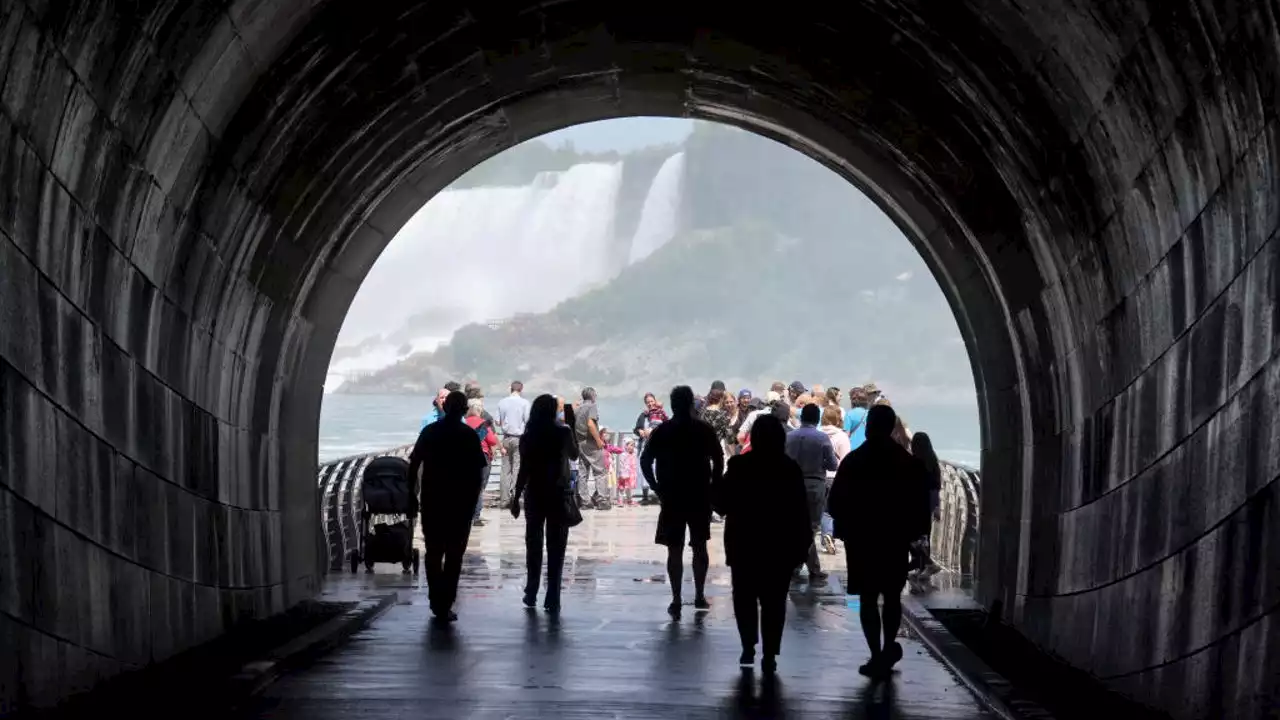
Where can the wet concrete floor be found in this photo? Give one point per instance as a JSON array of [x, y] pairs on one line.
[[613, 653]]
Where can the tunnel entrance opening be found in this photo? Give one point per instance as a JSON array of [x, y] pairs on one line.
[[652, 252], [194, 191]]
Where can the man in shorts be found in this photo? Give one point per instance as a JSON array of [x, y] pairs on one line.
[[880, 503], [689, 459]]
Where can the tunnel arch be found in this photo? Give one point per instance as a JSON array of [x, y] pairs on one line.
[[193, 191]]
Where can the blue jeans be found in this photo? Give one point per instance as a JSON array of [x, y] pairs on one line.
[[484, 482], [828, 524]]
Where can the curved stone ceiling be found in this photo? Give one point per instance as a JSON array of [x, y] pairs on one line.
[[192, 190]]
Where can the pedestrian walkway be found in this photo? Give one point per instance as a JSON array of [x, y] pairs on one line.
[[614, 653]]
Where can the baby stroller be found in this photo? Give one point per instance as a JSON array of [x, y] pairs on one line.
[[385, 492]]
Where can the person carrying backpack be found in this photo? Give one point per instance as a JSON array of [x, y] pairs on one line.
[[855, 420], [488, 441]]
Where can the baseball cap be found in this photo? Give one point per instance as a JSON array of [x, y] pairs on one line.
[[717, 385], [870, 388], [797, 387], [744, 393]]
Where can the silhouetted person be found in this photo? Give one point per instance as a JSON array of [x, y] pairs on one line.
[[813, 452], [922, 449], [547, 449], [766, 536], [880, 503], [688, 457], [450, 458]]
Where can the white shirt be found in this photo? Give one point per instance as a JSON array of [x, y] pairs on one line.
[[513, 415]]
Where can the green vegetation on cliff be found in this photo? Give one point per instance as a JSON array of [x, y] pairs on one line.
[[743, 303], [780, 269]]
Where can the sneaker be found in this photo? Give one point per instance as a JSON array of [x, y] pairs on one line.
[[873, 667], [701, 605], [674, 609], [447, 616], [747, 659], [769, 665], [530, 602], [478, 522], [892, 654]]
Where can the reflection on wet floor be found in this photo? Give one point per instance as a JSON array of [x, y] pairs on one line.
[[613, 652]]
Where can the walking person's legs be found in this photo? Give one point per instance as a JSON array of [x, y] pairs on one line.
[[745, 612], [675, 575], [484, 482], [670, 532], [816, 492], [891, 617], [773, 610], [510, 469], [598, 485], [533, 529], [699, 522], [454, 549], [557, 541], [869, 614], [434, 561], [584, 480], [701, 560]]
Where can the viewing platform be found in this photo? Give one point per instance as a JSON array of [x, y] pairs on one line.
[[613, 652]]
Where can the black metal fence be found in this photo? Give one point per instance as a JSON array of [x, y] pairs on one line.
[[954, 541]]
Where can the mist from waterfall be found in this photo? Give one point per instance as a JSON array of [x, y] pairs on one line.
[[478, 254], [492, 252], [660, 214]]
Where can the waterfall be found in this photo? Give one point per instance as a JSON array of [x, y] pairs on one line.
[[487, 253], [477, 254], [660, 213]]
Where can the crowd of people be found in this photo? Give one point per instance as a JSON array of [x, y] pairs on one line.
[[788, 474]]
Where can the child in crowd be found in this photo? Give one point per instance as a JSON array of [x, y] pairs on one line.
[[628, 465], [611, 474]]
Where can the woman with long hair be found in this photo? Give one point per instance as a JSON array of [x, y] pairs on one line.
[[922, 450], [833, 427], [766, 536], [547, 451]]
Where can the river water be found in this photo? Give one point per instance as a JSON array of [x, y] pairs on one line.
[[353, 424]]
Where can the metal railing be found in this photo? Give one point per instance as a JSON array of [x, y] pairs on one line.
[[954, 540]]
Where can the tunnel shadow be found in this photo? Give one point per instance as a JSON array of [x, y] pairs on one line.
[[767, 704], [442, 638], [877, 700]]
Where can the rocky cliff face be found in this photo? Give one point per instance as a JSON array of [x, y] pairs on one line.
[[721, 305], [778, 270]]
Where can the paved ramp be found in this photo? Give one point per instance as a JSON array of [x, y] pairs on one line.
[[613, 653]]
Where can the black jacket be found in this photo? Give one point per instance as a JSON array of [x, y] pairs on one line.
[[688, 457], [544, 478], [880, 497], [766, 513], [449, 455]]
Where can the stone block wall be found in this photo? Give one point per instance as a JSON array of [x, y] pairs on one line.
[[140, 512], [192, 190]]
